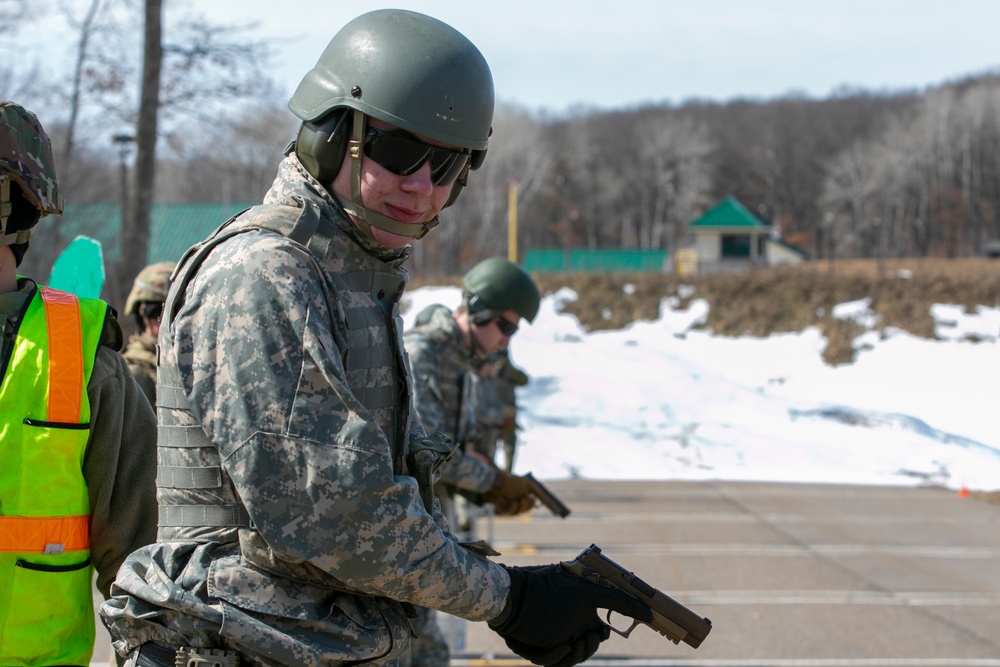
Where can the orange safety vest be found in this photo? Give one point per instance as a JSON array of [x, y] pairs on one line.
[[46, 599]]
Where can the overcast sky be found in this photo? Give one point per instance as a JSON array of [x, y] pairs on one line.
[[554, 54]]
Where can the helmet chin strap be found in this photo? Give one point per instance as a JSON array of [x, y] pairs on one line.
[[366, 218]]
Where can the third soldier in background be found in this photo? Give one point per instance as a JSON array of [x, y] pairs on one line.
[[145, 304]]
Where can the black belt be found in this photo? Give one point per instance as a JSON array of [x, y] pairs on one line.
[[154, 655]]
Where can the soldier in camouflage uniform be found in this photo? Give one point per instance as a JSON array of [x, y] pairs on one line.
[[447, 352], [77, 476], [145, 304], [291, 529]]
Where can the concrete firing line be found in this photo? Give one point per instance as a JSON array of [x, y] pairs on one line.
[[844, 597], [772, 550], [732, 517], [755, 662]]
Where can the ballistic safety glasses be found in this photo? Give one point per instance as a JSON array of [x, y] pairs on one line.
[[403, 155], [506, 327]]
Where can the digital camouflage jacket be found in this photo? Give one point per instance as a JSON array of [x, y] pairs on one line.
[[289, 526]]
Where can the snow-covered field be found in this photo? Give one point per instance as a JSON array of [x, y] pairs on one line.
[[659, 400]]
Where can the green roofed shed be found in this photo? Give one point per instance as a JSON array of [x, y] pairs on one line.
[[729, 214], [730, 237]]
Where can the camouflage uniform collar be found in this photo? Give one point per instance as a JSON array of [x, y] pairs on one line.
[[294, 181]]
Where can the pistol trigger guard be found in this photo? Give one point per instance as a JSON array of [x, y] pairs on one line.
[[623, 633]]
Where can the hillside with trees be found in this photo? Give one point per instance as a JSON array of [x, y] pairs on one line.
[[857, 175]]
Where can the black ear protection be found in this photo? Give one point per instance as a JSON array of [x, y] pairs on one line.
[[322, 144], [479, 312]]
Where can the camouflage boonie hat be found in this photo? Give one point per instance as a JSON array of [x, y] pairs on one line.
[[26, 158], [151, 284]]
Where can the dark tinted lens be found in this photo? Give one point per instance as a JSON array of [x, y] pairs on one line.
[[400, 155], [446, 166], [404, 155], [507, 328]]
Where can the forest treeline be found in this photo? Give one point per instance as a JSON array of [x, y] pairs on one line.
[[856, 175], [859, 174]]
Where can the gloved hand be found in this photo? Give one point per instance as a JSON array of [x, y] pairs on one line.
[[510, 494], [551, 615]]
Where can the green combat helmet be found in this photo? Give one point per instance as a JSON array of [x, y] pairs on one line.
[[406, 69], [150, 286], [496, 285], [28, 188]]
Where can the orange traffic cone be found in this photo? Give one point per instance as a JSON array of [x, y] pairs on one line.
[[963, 492]]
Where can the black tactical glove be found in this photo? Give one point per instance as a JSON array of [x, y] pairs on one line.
[[551, 616]]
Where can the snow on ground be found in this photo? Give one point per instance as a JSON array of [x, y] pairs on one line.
[[659, 400]]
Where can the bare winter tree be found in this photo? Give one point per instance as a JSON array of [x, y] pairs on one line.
[[85, 28], [135, 225], [191, 71], [477, 225], [847, 195], [673, 178], [20, 77], [594, 159], [233, 160], [928, 185]]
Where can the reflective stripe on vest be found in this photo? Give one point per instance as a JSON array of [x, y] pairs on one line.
[[46, 610], [62, 313], [39, 535]]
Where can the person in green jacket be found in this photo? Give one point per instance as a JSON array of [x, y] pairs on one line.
[[78, 467]]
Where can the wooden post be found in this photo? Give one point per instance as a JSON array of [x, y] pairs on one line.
[[512, 222]]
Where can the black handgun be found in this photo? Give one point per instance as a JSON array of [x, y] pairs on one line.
[[670, 618], [546, 497]]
